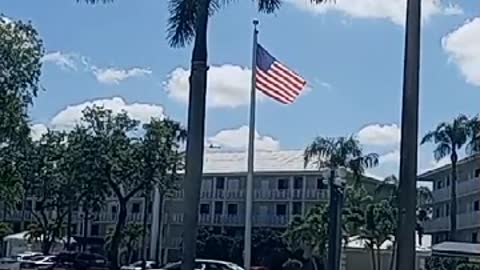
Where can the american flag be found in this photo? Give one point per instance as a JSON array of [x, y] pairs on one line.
[[276, 80]]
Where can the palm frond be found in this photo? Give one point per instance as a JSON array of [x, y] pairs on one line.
[[320, 149], [181, 23], [268, 6], [442, 150], [95, 1]]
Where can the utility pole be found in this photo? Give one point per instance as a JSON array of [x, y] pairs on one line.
[[336, 183], [405, 237]]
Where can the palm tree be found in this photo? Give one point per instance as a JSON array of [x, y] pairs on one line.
[[340, 152], [334, 153], [449, 138]]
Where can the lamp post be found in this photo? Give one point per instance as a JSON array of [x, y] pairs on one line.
[[336, 180]]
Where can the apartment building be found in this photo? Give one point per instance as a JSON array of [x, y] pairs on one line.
[[468, 201], [283, 188]]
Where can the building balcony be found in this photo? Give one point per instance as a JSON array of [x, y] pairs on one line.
[[464, 221], [229, 220], [113, 217], [297, 194], [270, 220], [268, 195], [464, 188], [316, 194]]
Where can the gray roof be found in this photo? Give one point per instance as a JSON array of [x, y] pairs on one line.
[[265, 161], [457, 248], [432, 172]]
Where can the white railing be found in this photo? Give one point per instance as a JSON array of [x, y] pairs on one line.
[[316, 194]]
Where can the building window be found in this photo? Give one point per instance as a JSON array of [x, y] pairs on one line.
[[73, 229], [282, 184], [298, 182], [474, 237], [94, 230], [218, 208], [113, 209], [19, 206], [477, 173], [205, 208], [437, 213], [297, 208], [281, 210], [476, 206], [150, 208], [321, 183], [439, 184], [135, 208], [447, 210], [448, 181], [220, 183], [232, 209]]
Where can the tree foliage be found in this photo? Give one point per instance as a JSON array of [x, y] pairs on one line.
[[21, 50]]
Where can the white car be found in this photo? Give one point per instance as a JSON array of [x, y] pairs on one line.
[[9, 263], [43, 262], [202, 264], [138, 265]]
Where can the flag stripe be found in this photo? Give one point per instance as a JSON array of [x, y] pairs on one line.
[[294, 83], [273, 90], [264, 89], [276, 80], [290, 73], [277, 84]]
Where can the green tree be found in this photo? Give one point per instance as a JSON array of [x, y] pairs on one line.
[[268, 248], [218, 246], [20, 52], [120, 155], [449, 138], [49, 186], [340, 152], [309, 235], [131, 237], [161, 160], [380, 226]]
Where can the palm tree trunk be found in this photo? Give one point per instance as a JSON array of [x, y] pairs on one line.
[[195, 136], [379, 259], [453, 199], [372, 256]]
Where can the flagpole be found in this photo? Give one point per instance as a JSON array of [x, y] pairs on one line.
[[251, 140]]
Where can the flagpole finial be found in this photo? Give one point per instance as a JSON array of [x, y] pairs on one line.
[[255, 22]]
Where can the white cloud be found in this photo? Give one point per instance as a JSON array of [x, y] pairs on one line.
[[37, 130], [227, 86], [380, 135], [113, 75], [237, 139], [392, 10], [63, 60], [72, 114], [393, 156], [463, 47]]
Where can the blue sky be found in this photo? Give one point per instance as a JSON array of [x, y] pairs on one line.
[[351, 54]]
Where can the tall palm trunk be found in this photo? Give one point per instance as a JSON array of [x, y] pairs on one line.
[[196, 134], [69, 225], [453, 196]]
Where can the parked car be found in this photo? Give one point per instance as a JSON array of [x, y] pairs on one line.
[[79, 261], [9, 263], [43, 262], [138, 265], [202, 264]]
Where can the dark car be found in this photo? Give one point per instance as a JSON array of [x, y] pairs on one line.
[[80, 261]]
